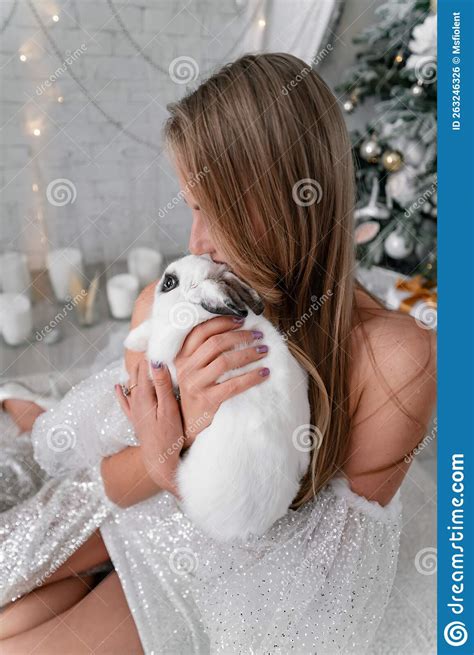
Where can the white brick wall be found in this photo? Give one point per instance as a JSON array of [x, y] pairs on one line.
[[120, 184]]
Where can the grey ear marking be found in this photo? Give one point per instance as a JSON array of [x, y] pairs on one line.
[[244, 293], [228, 308]]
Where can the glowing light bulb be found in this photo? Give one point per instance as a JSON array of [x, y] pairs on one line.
[[35, 187], [55, 18], [37, 131], [262, 22], [23, 57]]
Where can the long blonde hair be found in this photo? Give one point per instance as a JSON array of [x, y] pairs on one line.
[[263, 141]]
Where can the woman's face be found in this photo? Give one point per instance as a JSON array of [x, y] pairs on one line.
[[200, 241]]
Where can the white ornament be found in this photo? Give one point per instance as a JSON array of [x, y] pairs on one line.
[[400, 186], [373, 209], [423, 42], [423, 61], [396, 246]]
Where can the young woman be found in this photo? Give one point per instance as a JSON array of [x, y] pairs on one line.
[[265, 165]]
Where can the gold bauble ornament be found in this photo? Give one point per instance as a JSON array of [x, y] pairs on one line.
[[392, 161], [398, 58], [370, 150]]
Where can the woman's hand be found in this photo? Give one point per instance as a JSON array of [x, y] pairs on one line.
[[154, 412], [206, 354]]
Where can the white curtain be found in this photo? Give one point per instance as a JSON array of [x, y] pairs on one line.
[[296, 26]]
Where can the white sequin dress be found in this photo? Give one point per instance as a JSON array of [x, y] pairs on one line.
[[317, 582]]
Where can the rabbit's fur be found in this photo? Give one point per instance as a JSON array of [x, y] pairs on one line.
[[243, 471]]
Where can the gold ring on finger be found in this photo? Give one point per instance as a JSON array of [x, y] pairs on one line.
[[127, 390]]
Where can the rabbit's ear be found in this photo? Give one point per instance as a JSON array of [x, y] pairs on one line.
[[216, 297], [244, 293], [138, 338], [229, 306]]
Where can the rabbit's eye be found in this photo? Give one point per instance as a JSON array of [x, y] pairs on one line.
[[169, 283]]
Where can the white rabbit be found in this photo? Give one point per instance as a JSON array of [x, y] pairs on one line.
[[243, 471]]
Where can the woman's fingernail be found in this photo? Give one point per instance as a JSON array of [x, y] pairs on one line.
[[262, 349], [238, 319], [257, 334], [264, 372], [157, 364]]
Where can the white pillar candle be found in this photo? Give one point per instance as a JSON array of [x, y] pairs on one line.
[[14, 274], [17, 321], [122, 291], [62, 263], [145, 264]]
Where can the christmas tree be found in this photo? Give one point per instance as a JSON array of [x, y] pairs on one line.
[[395, 155]]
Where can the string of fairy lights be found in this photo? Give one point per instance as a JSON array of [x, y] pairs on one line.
[[46, 21], [256, 18]]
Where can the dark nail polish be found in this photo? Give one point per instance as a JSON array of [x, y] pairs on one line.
[[157, 364], [262, 349], [264, 372], [238, 319], [257, 334]]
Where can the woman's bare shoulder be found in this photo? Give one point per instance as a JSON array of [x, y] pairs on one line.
[[393, 391]]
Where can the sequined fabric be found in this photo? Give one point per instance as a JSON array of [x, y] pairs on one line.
[[42, 532], [317, 582], [87, 425], [20, 475]]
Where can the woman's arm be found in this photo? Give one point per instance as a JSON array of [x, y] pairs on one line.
[[125, 477], [126, 480]]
